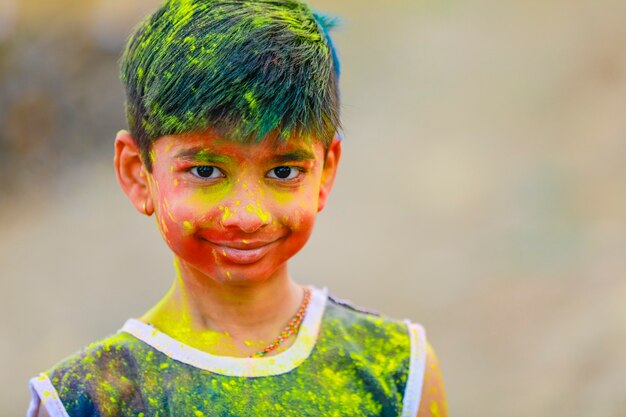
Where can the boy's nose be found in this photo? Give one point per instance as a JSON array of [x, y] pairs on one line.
[[249, 216], [245, 210]]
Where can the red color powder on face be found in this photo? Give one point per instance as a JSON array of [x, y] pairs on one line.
[[233, 211]]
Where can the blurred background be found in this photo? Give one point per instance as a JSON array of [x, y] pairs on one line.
[[482, 192]]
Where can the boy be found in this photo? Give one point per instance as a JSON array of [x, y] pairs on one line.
[[233, 147]]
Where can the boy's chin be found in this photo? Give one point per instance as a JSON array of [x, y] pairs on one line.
[[241, 276], [241, 279]]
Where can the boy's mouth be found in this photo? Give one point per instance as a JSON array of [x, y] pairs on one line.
[[242, 252]]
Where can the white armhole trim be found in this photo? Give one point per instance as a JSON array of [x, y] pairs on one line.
[[43, 393], [417, 367]]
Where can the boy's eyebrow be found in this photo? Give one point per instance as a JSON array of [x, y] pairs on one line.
[[203, 155], [297, 155]]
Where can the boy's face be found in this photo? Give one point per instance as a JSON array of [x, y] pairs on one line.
[[237, 212]]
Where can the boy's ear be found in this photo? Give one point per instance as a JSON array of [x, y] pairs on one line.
[[329, 172], [131, 173]]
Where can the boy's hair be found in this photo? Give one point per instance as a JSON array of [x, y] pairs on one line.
[[247, 68]]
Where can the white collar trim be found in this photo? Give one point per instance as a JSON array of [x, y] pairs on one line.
[[278, 364]]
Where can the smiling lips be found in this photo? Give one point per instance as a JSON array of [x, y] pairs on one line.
[[242, 253]]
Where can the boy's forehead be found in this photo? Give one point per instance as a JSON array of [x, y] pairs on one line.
[[196, 144]]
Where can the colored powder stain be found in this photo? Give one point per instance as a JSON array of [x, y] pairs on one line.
[[227, 214], [179, 18], [251, 208], [237, 202], [229, 275], [189, 229], [210, 195], [182, 16], [191, 41], [205, 155], [215, 256], [296, 220], [167, 210], [252, 102], [284, 197], [339, 390], [434, 409], [245, 240], [175, 182], [198, 413]]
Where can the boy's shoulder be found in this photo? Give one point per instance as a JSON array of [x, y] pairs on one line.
[[114, 350], [350, 306], [106, 368], [358, 322]]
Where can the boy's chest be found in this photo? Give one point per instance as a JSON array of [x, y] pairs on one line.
[[330, 392], [344, 388]]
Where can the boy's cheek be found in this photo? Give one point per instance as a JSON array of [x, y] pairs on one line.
[[186, 219], [299, 220]]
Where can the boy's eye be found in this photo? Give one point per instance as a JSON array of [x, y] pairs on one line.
[[205, 171], [283, 173]]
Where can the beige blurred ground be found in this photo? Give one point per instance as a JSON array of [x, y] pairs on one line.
[[482, 192]]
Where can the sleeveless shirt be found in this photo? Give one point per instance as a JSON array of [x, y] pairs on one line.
[[344, 362]]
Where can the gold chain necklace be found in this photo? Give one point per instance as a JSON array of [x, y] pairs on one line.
[[291, 328]]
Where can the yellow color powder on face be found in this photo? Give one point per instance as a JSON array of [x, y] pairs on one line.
[[264, 216], [283, 197], [188, 227], [227, 214], [166, 208], [209, 196]]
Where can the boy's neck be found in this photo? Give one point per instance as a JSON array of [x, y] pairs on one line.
[[224, 318]]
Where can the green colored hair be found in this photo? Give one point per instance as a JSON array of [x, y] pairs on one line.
[[247, 68]]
